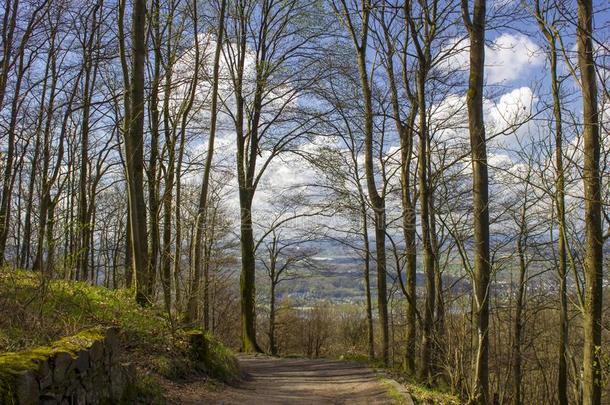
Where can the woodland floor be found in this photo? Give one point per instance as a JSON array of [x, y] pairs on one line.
[[292, 381]]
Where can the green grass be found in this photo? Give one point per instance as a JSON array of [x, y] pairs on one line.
[[221, 362], [420, 393], [397, 397], [37, 313], [14, 363], [424, 395], [34, 314]]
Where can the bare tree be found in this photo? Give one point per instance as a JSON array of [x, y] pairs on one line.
[[270, 37], [191, 310], [359, 33], [285, 261], [593, 265], [405, 126], [550, 32], [480, 183], [134, 146]]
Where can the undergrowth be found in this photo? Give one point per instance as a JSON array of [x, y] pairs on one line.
[[422, 394], [35, 312]]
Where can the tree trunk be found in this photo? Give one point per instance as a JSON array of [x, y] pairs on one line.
[[247, 278], [83, 223], [480, 184], [24, 261], [424, 207], [367, 280], [151, 173], [47, 205], [592, 367], [167, 235], [247, 153], [170, 146], [134, 156], [178, 215], [84, 229], [50, 240], [562, 376], [439, 310], [517, 375], [272, 344], [8, 176], [203, 196], [377, 201], [562, 369], [408, 211], [128, 252]]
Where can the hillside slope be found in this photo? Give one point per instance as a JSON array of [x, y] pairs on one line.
[[35, 313]]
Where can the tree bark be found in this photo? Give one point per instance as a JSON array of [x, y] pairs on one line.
[[153, 159], [203, 196], [593, 264], [84, 219], [367, 280], [134, 156], [562, 357], [377, 200], [480, 184], [424, 207], [247, 278]]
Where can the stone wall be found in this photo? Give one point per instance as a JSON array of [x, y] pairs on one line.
[[80, 369]]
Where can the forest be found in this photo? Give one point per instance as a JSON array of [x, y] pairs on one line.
[[418, 187]]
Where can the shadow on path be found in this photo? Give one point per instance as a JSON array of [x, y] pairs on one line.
[[298, 381]]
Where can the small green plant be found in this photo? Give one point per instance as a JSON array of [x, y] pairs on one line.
[[14, 363], [219, 361], [397, 397], [35, 312], [144, 389]]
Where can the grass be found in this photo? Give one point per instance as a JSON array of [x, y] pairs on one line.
[[14, 363], [221, 361], [421, 394], [393, 392], [35, 313]]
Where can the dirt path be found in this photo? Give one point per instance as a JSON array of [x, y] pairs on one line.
[[296, 381]]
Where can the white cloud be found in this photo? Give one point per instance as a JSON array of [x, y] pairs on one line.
[[514, 106], [511, 116], [509, 57], [507, 120]]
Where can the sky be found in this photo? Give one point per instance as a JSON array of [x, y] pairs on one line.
[[517, 90]]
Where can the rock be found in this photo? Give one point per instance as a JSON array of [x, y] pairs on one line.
[[27, 388], [198, 346], [62, 365], [112, 338], [119, 380], [91, 376], [81, 363], [49, 399], [45, 376], [96, 353]]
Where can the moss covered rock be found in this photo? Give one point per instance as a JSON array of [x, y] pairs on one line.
[[82, 368]]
